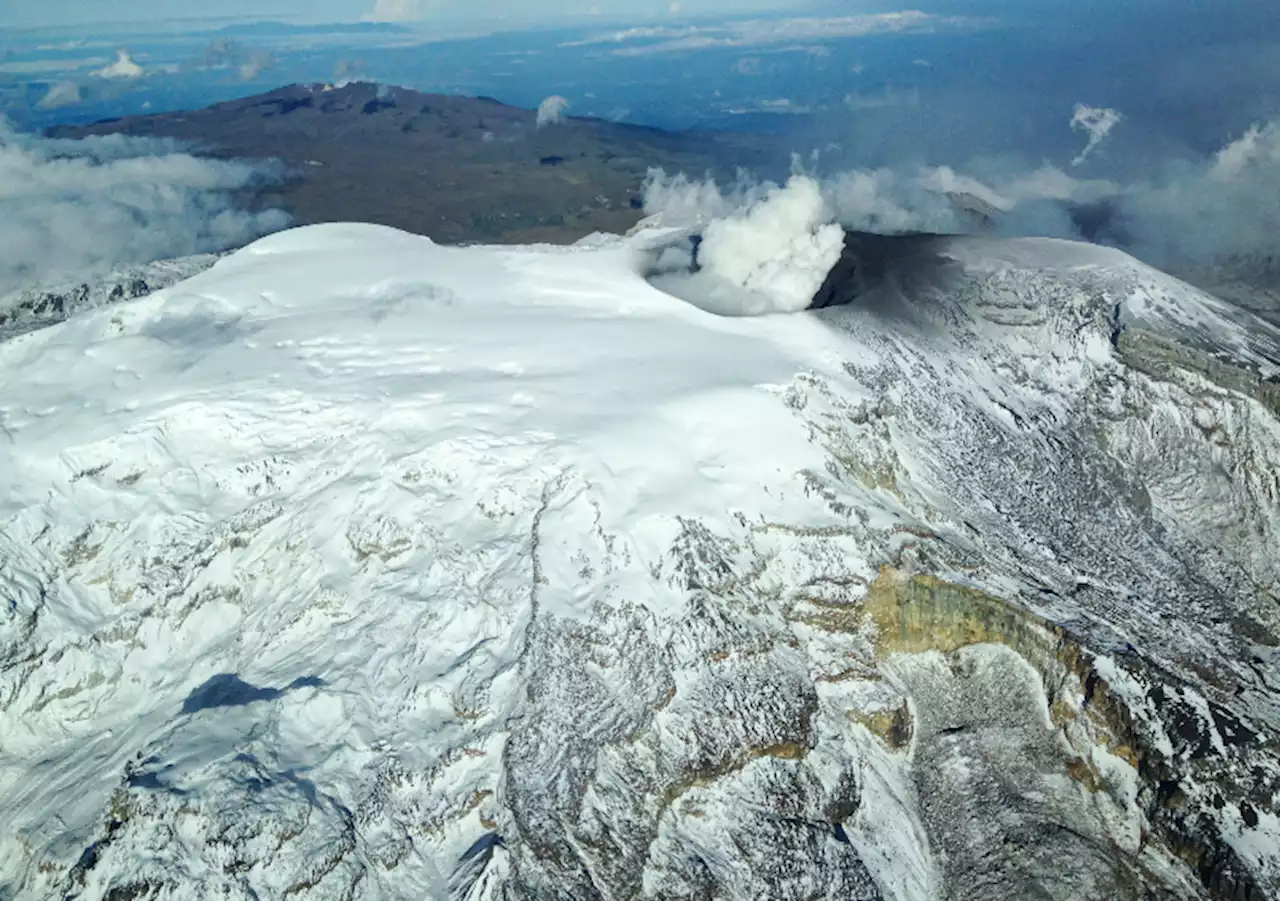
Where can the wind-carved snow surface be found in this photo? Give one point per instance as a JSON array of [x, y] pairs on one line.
[[360, 567]]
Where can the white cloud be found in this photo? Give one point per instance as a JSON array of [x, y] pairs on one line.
[[879, 200], [123, 67], [682, 202], [768, 252], [47, 66], [400, 10], [886, 98], [69, 208], [1185, 215], [885, 201], [62, 94], [225, 53], [1097, 123], [756, 33], [777, 106], [1228, 207], [1258, 148], [631, 34], [64, 45], [1051, 183], [552, 111], [254, 66]]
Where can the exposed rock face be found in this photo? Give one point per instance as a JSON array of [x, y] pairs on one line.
[[1171, 462], [1143, 773], [1015, 637], [45, 305]]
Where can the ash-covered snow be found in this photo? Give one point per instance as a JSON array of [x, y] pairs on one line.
[[361, 567]]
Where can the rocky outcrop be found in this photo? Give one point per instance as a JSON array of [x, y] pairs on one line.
[[1121, 717], [37, 307]]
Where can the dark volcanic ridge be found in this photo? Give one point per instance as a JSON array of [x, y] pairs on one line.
[[453, 168]]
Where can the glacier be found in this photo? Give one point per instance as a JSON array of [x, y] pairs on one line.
[[356, 566]]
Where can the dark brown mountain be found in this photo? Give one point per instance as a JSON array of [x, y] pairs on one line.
[[453, 168]]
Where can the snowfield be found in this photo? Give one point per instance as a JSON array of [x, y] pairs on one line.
[[361, 567]]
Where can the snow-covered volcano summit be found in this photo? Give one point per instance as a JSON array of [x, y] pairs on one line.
[[361, 567]]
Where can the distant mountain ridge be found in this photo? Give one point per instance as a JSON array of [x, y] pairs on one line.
[[455, 169]]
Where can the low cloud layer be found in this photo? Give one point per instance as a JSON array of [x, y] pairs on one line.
[[398, 10], [646, 41], [1228, 208], [1185, 216], [72, 208]]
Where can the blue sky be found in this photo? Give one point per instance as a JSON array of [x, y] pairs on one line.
[[69, 13], [1187, 75]]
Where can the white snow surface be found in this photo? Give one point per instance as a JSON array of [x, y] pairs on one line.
[[296, 516], [321, 459]]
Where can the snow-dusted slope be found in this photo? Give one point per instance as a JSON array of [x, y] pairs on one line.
[[33, 308], [359, 567]]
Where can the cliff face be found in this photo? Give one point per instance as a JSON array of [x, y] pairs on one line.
[[1157, 754]]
